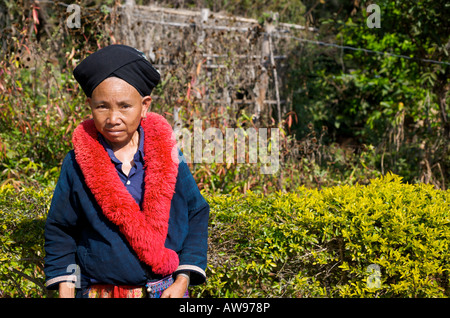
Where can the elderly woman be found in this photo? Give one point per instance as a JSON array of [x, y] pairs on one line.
[[126, 218]]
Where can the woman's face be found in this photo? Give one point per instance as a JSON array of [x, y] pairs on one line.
[[117, 108]]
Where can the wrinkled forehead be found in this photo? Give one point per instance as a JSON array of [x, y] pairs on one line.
[[115, 89]]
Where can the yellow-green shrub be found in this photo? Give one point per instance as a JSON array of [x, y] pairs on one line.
[[307, 243], [22, 218], [312, 243]]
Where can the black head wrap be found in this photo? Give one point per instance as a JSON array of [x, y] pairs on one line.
[[120, 61]]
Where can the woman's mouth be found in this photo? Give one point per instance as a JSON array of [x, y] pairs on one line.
[[114, 132]]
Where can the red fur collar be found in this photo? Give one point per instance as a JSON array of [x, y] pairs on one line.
[[145, 230]]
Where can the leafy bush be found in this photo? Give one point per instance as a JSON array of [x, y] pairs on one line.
[[40, 101], [330, 243], [304, 243], [22, 219]]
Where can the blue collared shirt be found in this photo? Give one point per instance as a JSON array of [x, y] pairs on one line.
[[76, 232], [134, 182]]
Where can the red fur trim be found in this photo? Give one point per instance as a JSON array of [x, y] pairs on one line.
[[146, 230]]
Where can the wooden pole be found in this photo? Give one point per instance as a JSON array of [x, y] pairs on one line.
[[201, 40], [275, 75], [261, 86], [126, 31]]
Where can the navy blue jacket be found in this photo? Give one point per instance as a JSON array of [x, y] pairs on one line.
[[77, 232]]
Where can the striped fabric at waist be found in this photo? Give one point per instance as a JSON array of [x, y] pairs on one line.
[[150, 290]]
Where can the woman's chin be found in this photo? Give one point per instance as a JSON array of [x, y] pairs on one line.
[[116, 139]]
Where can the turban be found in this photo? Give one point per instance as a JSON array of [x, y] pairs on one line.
[[120, 61]]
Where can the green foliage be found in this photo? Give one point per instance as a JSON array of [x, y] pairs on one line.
[[397, 104], [305, 243], [35, 132], [22, 219], [40, 102], [311, 243]]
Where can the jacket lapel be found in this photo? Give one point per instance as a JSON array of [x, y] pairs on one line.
[[145, 230]]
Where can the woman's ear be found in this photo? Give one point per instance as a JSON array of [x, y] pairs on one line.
[[146, 102]]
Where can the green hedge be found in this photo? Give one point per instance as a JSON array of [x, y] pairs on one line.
[[338, 242], [386, 239], [22, 218]]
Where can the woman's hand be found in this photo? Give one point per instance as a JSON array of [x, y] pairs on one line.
[[177, 289], [66, 290]]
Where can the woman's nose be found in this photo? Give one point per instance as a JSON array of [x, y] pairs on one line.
[[114, 118]]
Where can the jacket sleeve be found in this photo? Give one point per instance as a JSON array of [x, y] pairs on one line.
[[60, 230], [194, 254]]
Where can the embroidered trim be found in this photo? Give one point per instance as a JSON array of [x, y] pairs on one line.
[[59, 279], [145, 230], [191, 268], [111, 291]]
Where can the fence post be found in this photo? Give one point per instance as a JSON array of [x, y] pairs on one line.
[[274, 67], [262, 110], [204, 17], [127, 29]]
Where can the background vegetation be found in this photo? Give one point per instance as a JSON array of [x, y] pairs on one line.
[[312, 243], [303, 243], [357, 115]]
